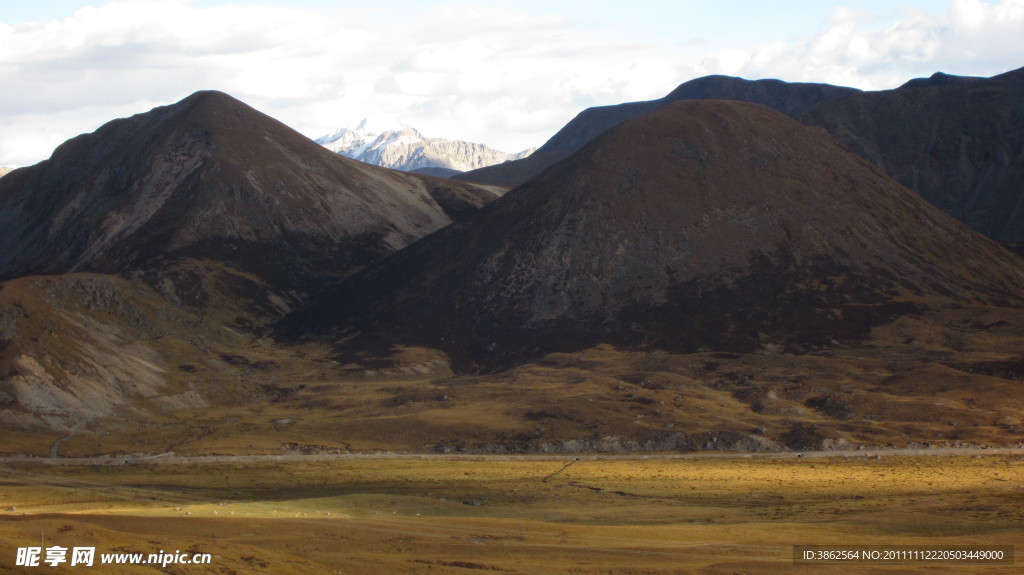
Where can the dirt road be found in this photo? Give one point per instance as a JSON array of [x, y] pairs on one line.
[[170, 458]]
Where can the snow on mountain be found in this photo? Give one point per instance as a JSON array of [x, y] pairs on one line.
[[405, 148]]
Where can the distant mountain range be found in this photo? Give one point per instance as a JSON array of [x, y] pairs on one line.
[[406, 149], [956, 141]]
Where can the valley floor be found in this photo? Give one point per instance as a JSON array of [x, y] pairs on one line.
[[724, 514]]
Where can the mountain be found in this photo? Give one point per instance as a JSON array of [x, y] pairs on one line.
[[5, 171], [789, 98], [408, 150], [140, 262], [212, 178], [656, 256], [437, 172], [702, 224], [956, 141]]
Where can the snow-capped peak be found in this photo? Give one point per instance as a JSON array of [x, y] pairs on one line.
[[384, 142]]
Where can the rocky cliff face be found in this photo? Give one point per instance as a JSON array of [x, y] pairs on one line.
[[702, 224], [406, 149]]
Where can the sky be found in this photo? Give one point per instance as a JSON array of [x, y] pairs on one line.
[[508, 74]]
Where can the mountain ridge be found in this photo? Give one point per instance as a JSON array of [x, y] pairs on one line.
[[702, 223], [212, 177], [592, 122], [406, 149], [718, 276], [142, 259], [944, 133], [954, 140]]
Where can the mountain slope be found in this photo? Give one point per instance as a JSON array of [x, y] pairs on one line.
[[702, 224], [408, 150], [210, 177], [76, 347], [956, 141], [141, 261], [787, 97]]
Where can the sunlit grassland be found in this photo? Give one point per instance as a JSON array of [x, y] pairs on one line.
[[741, 515]]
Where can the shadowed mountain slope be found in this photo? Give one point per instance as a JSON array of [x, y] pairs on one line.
[[703, 224], [210, 177], [958, 142], [789, 98], [140, 260]]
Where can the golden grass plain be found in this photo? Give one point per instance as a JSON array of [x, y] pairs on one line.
[[593, 516], [942, 380]]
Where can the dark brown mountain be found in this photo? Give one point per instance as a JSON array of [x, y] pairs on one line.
[[212, 178], [789, 98], [958, 142], [437, 172], [703, 224], [139, 261]]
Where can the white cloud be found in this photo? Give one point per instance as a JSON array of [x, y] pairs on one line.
[[483, 72], [971, 38]]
